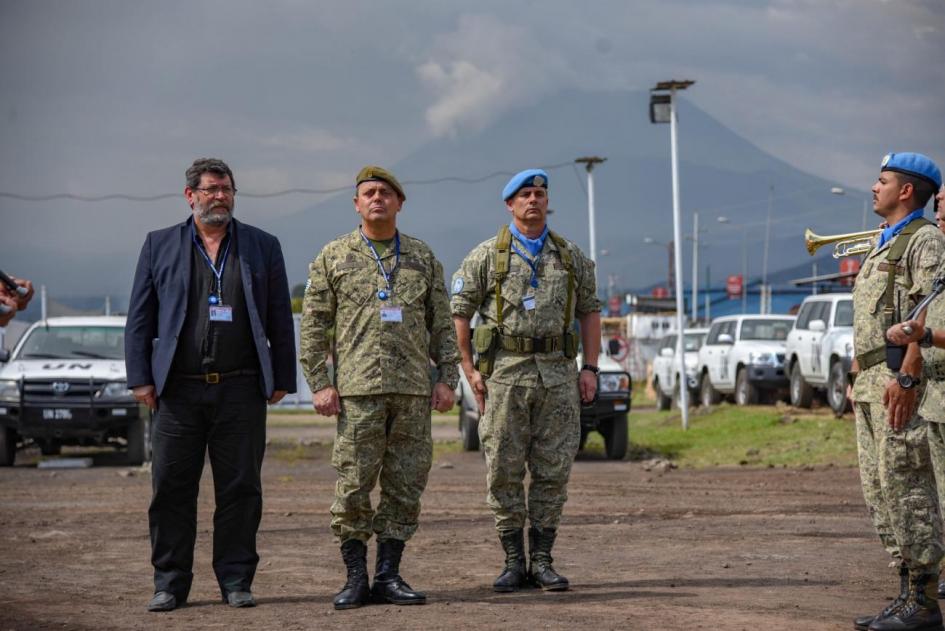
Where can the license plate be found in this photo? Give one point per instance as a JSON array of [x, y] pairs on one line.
[[57, 414], [620, 407]]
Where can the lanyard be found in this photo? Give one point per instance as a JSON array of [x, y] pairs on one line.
[[384, 295], [218, 273], [533, 281]]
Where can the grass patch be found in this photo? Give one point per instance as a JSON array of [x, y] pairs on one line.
[[308, 418], [759, 436]]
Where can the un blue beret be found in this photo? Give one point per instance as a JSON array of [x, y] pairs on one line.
[[914, 164], [528, 177]]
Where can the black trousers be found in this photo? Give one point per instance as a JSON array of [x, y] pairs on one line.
[[227, 419]]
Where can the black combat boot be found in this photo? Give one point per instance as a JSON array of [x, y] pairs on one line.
[[920, 611], [388, 586], [357, 590], [513, 576], [541, 574], [863, 622]]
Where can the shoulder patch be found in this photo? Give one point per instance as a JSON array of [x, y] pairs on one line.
[[458, 284]]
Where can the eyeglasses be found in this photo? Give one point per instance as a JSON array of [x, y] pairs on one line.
[[213, 191]]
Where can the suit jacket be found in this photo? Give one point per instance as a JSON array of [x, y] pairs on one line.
[[158, 306]]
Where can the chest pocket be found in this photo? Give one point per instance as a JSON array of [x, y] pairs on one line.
[[411, 286], [355, 284], [555, 291]]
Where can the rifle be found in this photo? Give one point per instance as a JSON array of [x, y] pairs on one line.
[[895, 353]]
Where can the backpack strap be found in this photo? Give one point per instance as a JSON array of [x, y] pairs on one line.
[[896, 251], [503, 255], [568, 263]]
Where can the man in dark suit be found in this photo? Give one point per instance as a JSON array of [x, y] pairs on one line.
[[208, 341]]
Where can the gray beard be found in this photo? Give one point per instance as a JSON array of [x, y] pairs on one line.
[[208, 218]]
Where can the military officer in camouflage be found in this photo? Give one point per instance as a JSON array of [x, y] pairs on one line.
[[384, 294], [528, 284], [892, 438]]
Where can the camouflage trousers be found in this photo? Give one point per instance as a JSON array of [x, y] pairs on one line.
[[534, 427], [386, 436], [896, 472]]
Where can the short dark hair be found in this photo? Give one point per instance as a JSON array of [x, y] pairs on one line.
[[207, 165], [922, 190]]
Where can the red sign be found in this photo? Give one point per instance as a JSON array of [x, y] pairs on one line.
[[849, 266], [660, 292], [613, 305], [734, 285]]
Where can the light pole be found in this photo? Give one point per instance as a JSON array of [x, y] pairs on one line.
[[663, 110], [695, 266], [763, 306], [589, 163], [744, 262], [838, 190]]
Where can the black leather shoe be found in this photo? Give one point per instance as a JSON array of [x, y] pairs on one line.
[[163, 601], [863, 622], [356, 591], [240, 599], [388, 586], [541, 573], [513, 576], [920, 611]]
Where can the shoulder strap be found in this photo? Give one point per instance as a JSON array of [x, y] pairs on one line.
[[565, 253], [896, 252], [503, 255]]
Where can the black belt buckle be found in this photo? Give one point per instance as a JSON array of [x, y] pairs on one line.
[[212, 377]]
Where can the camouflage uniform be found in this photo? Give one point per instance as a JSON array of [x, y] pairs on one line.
[[933, 403], [382, 372], [895, 467], [532, 415]]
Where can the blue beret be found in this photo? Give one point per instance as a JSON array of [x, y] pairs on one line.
[[914, 164], [528, 177]]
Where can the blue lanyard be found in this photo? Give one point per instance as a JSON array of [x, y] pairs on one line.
[[384, 295], [217, 273], [533, 281]]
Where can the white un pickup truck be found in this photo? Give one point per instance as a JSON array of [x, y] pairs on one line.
[[743, 355], [666, 368], [64, 384], [820, 350]]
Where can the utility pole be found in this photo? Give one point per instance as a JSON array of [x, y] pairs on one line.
[[695, 267], [589, 163], [763, 307]]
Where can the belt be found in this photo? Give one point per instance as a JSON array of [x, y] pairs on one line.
[[217, 377], [518, 344], [935, 372], [871, 358]]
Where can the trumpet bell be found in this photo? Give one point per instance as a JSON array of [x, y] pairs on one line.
[[850, 244]]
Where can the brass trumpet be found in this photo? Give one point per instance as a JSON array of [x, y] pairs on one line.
[[850, 244]]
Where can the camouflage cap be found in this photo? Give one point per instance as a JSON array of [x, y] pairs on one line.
[[377, 174]]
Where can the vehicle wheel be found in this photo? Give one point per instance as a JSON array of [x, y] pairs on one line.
[[745, 391], [139, 443], [708, 395], [50, 448], [7, 447], [614, 431], [837, 390], [802, 395], [663, 402], [468, 429]]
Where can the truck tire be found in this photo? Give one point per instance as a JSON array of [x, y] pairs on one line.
[[614, 431], [708, 395], [802, 395], [139, 444], [663, 402], [468, 429], [837, 390], [745, 391], [7, 447]]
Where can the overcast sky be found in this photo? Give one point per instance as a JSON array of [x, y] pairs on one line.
[[118, 97]]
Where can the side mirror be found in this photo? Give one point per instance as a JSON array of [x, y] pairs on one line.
[[725, 338], [817, 326], [4, 355], [666, 351]]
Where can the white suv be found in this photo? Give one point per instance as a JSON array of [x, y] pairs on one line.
[[743, 355], [666, 368], [820, 350]]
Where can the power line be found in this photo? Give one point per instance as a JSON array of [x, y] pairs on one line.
[[289, 191]]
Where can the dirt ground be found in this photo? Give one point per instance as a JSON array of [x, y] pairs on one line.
[[683, 549]]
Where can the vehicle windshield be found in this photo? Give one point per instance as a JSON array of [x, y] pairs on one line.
[[844, 316], [693, 341], [776, 330], [74, 342]]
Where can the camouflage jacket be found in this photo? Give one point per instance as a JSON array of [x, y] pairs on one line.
[[933, 363], [371, 356], [914, 275], [474, 290]]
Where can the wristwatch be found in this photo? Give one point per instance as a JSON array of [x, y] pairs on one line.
[[593, 369], [907, 382], [926, 339]]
